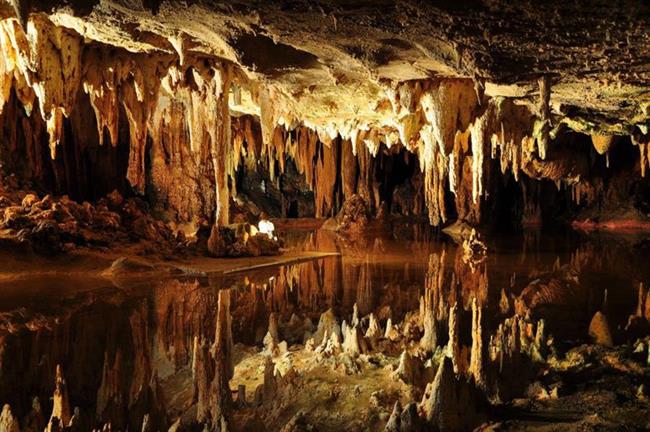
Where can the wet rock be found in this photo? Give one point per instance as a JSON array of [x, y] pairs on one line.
[[127, 265], [354, 215], [599, 330]]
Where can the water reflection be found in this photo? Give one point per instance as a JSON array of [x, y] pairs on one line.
[[126, 349]]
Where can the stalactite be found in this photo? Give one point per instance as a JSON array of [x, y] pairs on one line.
[[100, 83], [448, 108], [602, 143], [109, 393], [203, 373], [480, 130], [348, 169], [476, 366], [434, 164], [431, 301], [643, 153], [326, 174], [545, 116], [221, 404], [454, 338]]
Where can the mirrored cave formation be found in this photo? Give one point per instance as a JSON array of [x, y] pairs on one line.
[[290, 216]]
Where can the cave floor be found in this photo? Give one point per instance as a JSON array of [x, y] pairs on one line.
[[86, 310]]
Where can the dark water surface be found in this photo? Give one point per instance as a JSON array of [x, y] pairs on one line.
[[120, 344]]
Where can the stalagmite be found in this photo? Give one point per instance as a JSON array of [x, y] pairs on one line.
[[429, 340], [353, 341], [390, 330], [450, 403], [599, 330], [271, 339], [60, 402], [409, 369], [539, 351], [374, 330], [410, 419], [355, 315], [109, 393], [393, 424], [8, 423], [327, 324]]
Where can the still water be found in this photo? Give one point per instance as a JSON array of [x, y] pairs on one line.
[[125, 344]]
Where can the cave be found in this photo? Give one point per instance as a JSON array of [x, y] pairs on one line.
[[317, 215]]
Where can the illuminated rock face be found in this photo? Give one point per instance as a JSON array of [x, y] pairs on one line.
[[144, 98]]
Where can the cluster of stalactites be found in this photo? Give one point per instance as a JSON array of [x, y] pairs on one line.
[[448, 123], [42, 63], [185, 105], [183, 101]]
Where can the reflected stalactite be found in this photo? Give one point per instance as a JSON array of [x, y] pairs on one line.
[[177, 333]]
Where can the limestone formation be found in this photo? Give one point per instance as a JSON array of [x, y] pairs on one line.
[[393, 424], [452, 404], [162, 146], [327, 323], [477, 360], [221, 398], [271, 339], [410, 369], [8, 423], [60, 402], [600, 331]]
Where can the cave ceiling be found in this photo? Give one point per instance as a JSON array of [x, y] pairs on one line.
[[330, 63]]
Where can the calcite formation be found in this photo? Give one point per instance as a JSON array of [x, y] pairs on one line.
[[184, 126], [182, 98]]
